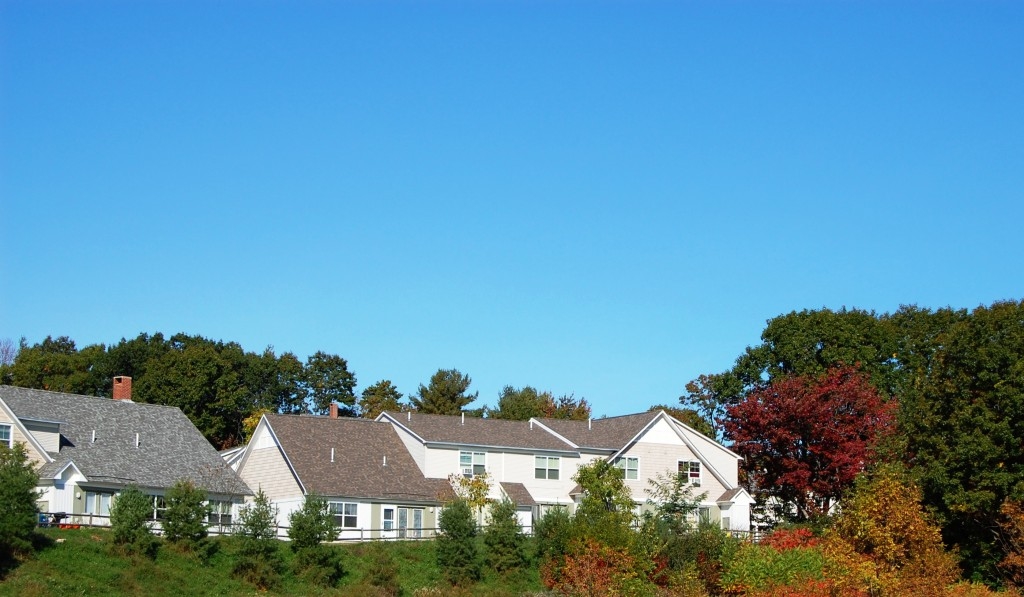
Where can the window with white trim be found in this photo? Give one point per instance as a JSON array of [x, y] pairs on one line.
[[98, 502], [389, 519], [159, 507], [629, 466], [545, 467], [345, 514], [691, 470], [220, 513], [5, 435], [473, 464]]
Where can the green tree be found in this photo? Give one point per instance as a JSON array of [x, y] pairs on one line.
[[57, 365], [963, 425], [553, 532], [456, 544], [18, 497], [378, 398], [310, 527], [446, 394], [606, 511], [520, 404], [504, 539], [673, 499], [258, 561], [185, 518], [329, 380], [687, 416], [130, 520]]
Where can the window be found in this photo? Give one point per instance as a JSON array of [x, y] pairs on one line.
[[704, 514], [345, 514], [98, 503], [630, 467], [220, 513], [472, 463], [159, 507], [545, 467], [389, 519], [5, 435], [692, 471]]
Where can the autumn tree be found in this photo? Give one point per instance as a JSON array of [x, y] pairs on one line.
[[378, 398], [445, 395], [805, 438]]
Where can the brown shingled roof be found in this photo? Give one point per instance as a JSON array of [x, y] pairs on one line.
[[611, 433], [359, 470], [477, 431], [519, 494]]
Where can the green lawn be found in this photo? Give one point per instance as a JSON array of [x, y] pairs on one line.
[[81, 562]]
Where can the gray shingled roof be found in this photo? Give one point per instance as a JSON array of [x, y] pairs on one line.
[[611, 433], [170, 448], [358, 470], [477, 431]]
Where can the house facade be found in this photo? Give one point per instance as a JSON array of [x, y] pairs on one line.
[[389, 476], [87, 449]]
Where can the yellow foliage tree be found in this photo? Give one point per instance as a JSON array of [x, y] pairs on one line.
[[883, 520]]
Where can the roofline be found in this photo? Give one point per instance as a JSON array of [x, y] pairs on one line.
[[248, 447], [513, 449], [741, 488], [704, 459], [554, 433], [35, 420], [640, 433], [16, 421], [65, 467], [398, 424], [716, 443]]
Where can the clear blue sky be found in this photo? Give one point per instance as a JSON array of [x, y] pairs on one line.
[[600, 198]]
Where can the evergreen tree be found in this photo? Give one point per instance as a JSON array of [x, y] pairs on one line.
[[130, 520], [456, 544], [185, 518], [258, 560], [446, 394], [18, 496], [504, 539]]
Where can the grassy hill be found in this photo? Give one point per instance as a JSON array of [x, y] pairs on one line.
[[82, 562]]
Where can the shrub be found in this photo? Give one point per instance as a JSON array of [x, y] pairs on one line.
[[312, 524], [456, 544], [552, 533], [382, 571], [761, 567], [591, 568], [185, 518], [18, 511], [130, 518], [504, 539], [258, 561], [318, 565], [708, 547]]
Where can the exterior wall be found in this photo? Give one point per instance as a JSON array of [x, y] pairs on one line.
[[724, 461], [18, 436], [266, 468], [414, 447], [47, 434]]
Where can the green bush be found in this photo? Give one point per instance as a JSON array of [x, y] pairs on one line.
[[761, 567], [382, 570], [258, 561], [185, 518], [312, 524], [504, 539], [18, 511], [456, 544], [130, 520], [552, 533]]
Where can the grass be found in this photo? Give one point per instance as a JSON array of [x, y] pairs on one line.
[[83, 563]]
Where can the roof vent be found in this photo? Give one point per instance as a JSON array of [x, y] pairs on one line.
[[408, 416], [463, 418], [385, 460], [531, 424], [94, 436], [590, 423], [137, 442], [332, 454]]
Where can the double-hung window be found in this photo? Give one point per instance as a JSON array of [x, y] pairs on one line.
[[545, 467], [691, 471], [629, 466], [220, 513], [473, 464], [345, 514], [5, 435]]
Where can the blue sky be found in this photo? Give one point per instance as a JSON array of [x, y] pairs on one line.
[[605, 199]]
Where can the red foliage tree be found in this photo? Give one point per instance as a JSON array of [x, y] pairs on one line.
[[804, 439]]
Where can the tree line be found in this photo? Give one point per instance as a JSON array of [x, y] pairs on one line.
[[829, 395], [223, 389]]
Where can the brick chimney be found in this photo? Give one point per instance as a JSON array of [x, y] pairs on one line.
[[122, 388], [334, 407]]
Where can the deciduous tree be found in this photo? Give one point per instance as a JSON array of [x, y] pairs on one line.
[[328, 380], [805, 439]]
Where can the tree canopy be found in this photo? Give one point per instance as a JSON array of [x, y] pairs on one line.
[[445, 395], [378, 398], [527, 402]]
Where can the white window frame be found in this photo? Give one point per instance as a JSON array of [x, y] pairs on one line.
[[551, 464], [219, 512], [408, 526], [159, 507], [94, 502], [10, 434], [477, 463], [346, 514], [388, 523], [623, 462], [686, 467]]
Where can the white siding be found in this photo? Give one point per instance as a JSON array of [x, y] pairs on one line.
[[18, 436], [415, 448], [47, 434], [266, 468]]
